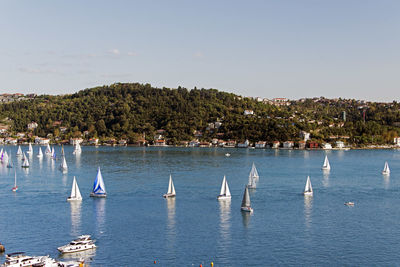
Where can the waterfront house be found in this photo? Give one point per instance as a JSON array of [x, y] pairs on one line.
[[194, 143], [74, 141], [204, 144], [245, 144], [288, 145], [230, 143], [340, 144], [41, 141], [396, 141], [93, 141], [276, 144], [302, 144], [248, 112], [313, 145], [326, 146], [160, 142], [260, 144]]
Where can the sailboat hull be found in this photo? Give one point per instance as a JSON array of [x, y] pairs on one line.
[[308, 193], [98, 195], [74, 199], [246, 209], [222, 197], [169, 195], [14, 189]]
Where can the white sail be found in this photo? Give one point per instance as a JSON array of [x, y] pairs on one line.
[[224, 192], [171, 187], [48, 150], [223, 187], [253, 177], [19, 151], [30, 149], [40, 153], [64, 165], [308, 188], [75, 192], [254, 172], [326, 165], [386, 169], [25, 164]]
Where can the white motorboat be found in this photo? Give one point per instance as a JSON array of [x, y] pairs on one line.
[[19, 259], [308, 191], [171, 189], [349, 203], [83, 242], [225, 193]]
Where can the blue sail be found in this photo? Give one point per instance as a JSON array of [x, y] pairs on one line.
[[98, 186]]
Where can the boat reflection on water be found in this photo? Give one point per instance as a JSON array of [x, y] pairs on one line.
[[86, 255], [224, 241], [246, 218], [100, 213], [76, 207], [78, 160], [325, 180], [171, 232], [308, 202], [386, 181]]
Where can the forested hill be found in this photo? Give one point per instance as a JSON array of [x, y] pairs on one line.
[[130, 110]]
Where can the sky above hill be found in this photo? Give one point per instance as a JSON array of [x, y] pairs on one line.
[[282, 48]]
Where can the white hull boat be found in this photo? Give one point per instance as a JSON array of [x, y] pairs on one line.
[[386, 169], [225, 193], [82, 243], [171, 189], [308, 191]]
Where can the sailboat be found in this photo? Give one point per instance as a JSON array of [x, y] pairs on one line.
[[48, 150], [25, 164], [326, 165], [386, 169], [40, 153], [308, 188], [19, 151], [53, 153], [64, 165], [246, 206], [253, 177], [99, 189], [4, 156], [9, 163], [30, 149], [75, 193], [15, 188], [77, 149], [224, 193], [171, 189]]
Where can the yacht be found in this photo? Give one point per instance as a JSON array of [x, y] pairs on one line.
[[21, 260], [83, 242], [349, 203]]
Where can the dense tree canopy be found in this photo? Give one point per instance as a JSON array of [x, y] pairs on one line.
[[133, 110]]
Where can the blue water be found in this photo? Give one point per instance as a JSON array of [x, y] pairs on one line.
[[135, 226]]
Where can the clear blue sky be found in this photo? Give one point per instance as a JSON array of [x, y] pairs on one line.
[[294, 49]]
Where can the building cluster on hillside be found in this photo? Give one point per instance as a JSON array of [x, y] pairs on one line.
[[6, 98]]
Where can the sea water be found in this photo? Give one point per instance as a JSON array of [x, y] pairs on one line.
[[135, 226]]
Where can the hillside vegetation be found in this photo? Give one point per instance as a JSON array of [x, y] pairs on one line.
[[131, 111]]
